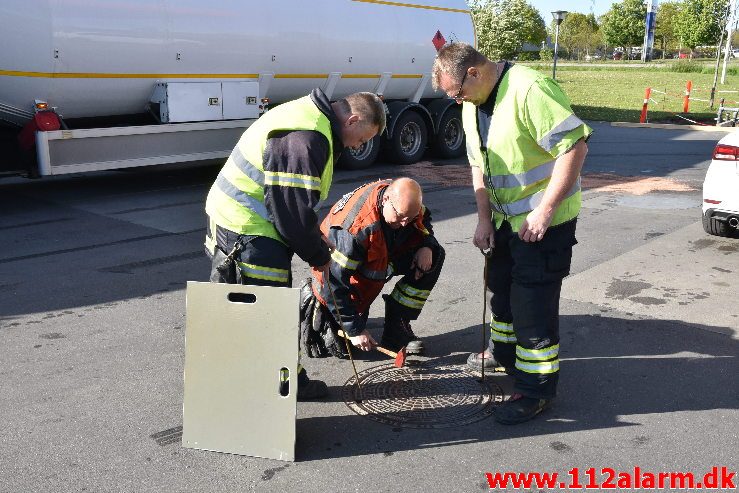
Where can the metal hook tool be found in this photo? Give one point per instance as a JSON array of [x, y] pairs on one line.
[[486, 254]]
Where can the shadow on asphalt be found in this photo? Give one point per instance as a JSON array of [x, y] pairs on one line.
[[613, 370]]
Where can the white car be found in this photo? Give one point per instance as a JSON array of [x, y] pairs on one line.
[[721, 189]]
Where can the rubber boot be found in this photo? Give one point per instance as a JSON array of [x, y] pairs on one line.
[[397, 332]]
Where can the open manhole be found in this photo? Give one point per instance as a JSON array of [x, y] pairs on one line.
[[423, 395]]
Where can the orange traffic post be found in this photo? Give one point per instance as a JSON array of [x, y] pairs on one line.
[[686, 99], [647, 93]]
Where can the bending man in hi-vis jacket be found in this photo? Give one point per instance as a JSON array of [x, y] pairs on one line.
[[260, 207]]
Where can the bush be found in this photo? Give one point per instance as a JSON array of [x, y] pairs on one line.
[[686, 65], [546, 55], [528, 56], [710, 69]]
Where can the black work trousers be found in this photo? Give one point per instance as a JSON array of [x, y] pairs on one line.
[[410, 294], [526, 279]]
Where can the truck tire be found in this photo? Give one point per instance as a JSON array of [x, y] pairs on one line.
[[714, 227], [449, 139], [409, 138], [363, 157]]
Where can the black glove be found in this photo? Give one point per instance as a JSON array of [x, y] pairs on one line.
[[318, 335], [310, 343], [334, 344], [225, 267]]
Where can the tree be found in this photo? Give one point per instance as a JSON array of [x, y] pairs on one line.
[[597, 39], [624, 24], [700, 22], [503, 26], [602, 20], [578, 33], [665, 30]]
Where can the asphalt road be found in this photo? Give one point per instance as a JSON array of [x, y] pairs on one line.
[[92, 330]]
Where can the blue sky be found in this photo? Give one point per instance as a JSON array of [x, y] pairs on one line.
[[545, 7]]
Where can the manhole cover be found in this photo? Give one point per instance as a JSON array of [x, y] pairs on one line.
[[422, 395]]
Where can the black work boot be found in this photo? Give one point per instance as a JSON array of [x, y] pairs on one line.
[[519, 409], [397, 332], [308, 389]]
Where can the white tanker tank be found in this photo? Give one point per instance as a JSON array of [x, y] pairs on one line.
[[98, 58]]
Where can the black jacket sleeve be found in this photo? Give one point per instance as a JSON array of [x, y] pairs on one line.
[[290, 201], [348, 257], [429, 240]]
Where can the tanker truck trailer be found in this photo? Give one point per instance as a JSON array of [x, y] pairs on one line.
[[110, 84]]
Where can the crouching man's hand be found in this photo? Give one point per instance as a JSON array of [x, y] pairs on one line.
[[422, 262], [363, 341]]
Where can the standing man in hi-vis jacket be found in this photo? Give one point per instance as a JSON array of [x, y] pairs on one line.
[[526, 148]]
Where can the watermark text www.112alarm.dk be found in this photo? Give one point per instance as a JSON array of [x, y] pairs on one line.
[[609, 478]]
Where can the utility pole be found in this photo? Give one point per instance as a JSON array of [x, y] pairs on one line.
[[729, 28], [648, 45], [718, 60], [558, 16]]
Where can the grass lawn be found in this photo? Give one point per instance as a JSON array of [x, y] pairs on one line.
[[616, 94]]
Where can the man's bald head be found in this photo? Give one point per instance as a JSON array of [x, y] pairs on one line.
[[402, 202]]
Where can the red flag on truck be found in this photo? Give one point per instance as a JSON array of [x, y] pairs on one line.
[[438, 40]]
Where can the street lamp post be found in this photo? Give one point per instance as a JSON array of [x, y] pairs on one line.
[[559, 16]]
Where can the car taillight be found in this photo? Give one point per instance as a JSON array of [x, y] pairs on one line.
[[724, 152]]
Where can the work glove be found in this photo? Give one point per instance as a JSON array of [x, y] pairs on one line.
[[310, 341], [334, 344], [318, 336], [225, 267]]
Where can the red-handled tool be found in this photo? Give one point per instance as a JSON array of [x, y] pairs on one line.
[[399, 356]]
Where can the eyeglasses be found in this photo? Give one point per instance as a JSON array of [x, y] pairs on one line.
[[409, 219], [458, 96]]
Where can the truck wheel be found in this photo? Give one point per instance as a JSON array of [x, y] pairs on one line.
[[363, 157], [449, 139], [714, 227], [408, 142]]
